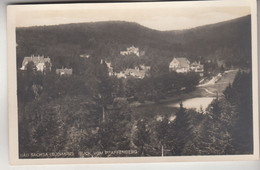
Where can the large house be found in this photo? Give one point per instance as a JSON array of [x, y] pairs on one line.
[[180, 65], [40, 62], [132, 50]]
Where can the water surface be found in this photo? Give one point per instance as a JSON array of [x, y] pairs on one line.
[[197, 103]]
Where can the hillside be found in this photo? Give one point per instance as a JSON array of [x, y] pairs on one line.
[[230, 41]]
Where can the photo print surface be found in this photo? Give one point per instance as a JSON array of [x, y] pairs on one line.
[[133, 80]]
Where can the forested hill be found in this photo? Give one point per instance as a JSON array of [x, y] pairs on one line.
[[230, 40]]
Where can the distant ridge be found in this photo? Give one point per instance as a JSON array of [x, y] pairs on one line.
[[228, 40]]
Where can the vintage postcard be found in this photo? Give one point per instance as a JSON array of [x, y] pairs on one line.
[[133, 82]]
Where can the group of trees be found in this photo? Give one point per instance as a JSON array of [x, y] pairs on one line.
[[82, 111], [89, 111], [225, 127], [161, 86], [60, 111]]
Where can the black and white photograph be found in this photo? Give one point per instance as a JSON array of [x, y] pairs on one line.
[[133, 80]]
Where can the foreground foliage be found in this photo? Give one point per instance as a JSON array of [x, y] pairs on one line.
[[90, 111]]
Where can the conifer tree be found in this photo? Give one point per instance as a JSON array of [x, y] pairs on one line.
[[241, 100], [163, 131], [182, 130]]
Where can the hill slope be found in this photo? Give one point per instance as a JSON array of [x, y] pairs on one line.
[[230, 40]]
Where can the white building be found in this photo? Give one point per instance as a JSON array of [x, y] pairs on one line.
[[180, 65], [132, 50], [39, 61]]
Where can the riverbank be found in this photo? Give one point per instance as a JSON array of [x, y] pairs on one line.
[[211, 88]]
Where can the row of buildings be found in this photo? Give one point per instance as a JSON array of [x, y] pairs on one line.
[[179, 65], [183, 65], [140, 71], [42, 63]]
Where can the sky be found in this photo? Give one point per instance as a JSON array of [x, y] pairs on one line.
[[160, 15]]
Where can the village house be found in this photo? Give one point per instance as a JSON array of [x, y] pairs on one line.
[[197, 68], [39, 61], [132, 50], [180, 65], [64, 71], [139, 72]]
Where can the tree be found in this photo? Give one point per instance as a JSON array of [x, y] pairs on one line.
[[240, 97], [182, 131], [142, 136], [162, 132], [114, 133], [49, 133]]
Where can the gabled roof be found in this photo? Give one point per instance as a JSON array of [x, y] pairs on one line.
[[183, 62]]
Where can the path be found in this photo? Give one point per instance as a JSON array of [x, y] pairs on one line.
[[208, 91]]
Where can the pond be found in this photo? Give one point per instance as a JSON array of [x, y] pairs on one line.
[[197, 103]]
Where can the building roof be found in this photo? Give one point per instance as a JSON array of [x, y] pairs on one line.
[[183, 62], [35, 59]]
